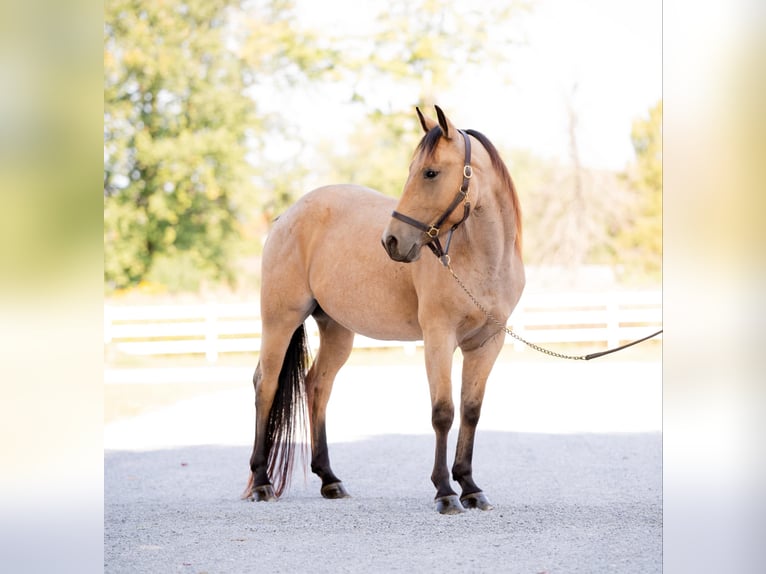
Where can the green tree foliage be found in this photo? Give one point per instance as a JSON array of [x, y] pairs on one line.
[[174, 127], [179, 122], [641, 238]]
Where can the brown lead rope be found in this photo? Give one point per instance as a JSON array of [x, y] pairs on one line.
[[532, 345]]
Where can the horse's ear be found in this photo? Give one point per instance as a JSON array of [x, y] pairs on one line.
[[444, 123], [426, 123]]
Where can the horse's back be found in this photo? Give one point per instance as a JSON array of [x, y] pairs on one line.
[[345, 200], [327, 249]]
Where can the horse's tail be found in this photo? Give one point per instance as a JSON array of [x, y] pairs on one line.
[[288, 428]]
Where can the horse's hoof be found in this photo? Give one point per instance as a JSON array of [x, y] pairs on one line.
[[449, 504], [264, 493], [335, 490], [476, 500]]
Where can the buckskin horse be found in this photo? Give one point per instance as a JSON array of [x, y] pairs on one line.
[[323, 258]]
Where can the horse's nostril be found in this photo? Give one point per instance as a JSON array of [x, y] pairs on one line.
[[391, 244]]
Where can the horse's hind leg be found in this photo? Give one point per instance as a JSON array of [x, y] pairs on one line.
[[335, 343], [280, 346], [477, 365], [258, 486]]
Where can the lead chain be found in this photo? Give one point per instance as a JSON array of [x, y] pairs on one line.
[[506, 328]]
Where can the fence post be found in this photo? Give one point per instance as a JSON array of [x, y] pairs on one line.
[[211, 332]]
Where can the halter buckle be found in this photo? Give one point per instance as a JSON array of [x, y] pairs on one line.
[[467, 171]]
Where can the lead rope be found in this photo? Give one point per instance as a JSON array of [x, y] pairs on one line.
[[505, 328]]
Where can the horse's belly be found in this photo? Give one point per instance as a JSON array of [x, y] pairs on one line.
[[379, 310], [380, 323]]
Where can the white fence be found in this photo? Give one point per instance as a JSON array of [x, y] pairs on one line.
[[213, 328]]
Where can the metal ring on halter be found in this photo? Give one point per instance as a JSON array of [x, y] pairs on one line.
[[467, 171]]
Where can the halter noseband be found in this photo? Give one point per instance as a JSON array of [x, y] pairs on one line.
[[432, 231]]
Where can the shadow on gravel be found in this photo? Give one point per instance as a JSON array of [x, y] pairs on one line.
[[563, 503]]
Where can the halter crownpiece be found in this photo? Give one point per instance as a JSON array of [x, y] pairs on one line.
[[432, 231]]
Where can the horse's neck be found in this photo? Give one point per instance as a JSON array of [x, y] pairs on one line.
[[491, 229]]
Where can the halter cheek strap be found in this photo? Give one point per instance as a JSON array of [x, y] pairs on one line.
[[432, 231]]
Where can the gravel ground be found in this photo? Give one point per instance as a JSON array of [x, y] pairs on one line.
[[575, 499], [563, 503]]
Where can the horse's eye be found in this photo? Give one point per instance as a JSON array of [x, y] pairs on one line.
[[430, 173]]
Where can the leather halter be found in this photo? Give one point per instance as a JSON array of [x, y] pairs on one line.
[[432, 231]]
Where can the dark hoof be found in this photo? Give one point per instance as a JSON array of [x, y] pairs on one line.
[[263, 493], [335, 490], [476, 500], [449, 504]]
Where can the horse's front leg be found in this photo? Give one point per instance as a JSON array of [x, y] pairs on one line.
[[438, 352], [477, 364]]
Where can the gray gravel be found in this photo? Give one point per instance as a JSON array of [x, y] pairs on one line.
[[563, 503]]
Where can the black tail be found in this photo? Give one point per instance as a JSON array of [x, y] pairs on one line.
[[288, 429]]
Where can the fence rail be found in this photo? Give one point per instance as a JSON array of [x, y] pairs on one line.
[[214, 328]]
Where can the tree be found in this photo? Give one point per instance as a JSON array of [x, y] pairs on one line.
[[574, 212], [174, 127], [179, 121], [428, 43], [380, 151], [419, 47], [641, 239]]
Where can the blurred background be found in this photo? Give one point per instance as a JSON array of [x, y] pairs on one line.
[[219, 115]]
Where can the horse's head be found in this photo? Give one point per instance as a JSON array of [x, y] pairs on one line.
[[433, 199]]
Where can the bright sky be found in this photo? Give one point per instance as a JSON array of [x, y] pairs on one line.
[[611, 49]]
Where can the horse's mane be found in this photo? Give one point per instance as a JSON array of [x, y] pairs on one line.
[[427, 147], [428, 143]]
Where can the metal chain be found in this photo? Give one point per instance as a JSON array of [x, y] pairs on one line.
[[506, 328]]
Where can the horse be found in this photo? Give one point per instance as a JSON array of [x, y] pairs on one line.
[[323, 258]]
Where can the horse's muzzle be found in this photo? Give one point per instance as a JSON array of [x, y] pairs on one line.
[[391, 245]]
